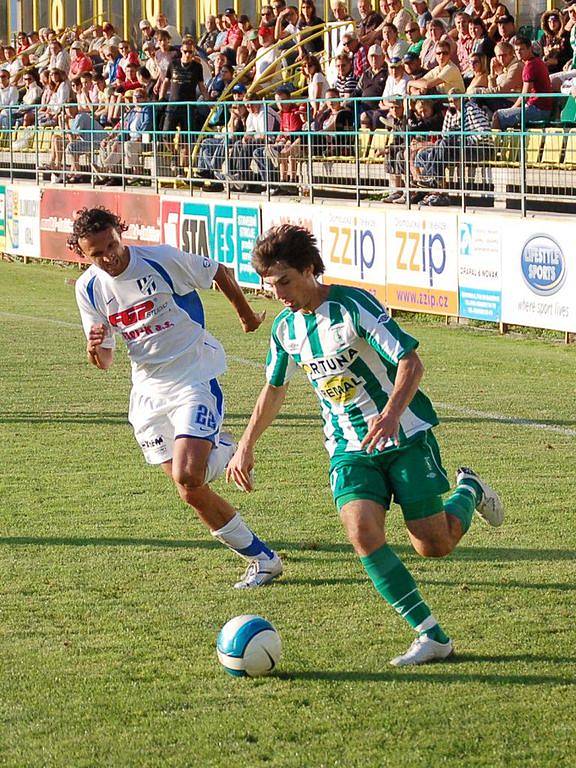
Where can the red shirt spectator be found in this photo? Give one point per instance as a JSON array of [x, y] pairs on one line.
[[536, 73], [234, 33], [80, 62], [291, 120]]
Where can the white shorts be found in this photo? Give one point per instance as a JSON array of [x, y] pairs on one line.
[[194, 411]]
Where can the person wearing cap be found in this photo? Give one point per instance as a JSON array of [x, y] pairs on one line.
[[396, 83], [393, 47], [161, 23], [422, 14], [371, 85], [506, 29], [79, 61], [413, 66], [444, 77], [147, 35], [268, 61]]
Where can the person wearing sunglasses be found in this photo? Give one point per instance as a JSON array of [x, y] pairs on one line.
[[444, 77], [555, 42]]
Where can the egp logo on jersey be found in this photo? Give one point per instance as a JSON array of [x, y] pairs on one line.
[[543, 265]]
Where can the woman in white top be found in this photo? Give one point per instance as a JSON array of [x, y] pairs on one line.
[[316, 81]]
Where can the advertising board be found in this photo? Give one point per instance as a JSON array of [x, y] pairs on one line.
[[479, 267], [22, 216]]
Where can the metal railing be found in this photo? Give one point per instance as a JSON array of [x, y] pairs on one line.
[[532, 165]]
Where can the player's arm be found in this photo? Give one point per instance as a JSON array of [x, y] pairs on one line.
[[387, 424], [101, 357], [267, 407], [250, 320]]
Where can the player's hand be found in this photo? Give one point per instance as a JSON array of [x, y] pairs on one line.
[[254, 322], [96, 336], [380, 429], [239, 469]]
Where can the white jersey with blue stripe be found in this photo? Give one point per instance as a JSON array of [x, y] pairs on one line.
[[154, 306]]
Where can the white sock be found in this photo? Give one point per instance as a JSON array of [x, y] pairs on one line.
[[237, 536], [218, 458]]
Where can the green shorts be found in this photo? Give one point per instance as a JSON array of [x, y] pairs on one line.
[[412, 475]]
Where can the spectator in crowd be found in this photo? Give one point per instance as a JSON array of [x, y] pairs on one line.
[[338, 28], [101, 112], [436, 31], [414, 38], [267, 18], [94, 38], [397, 15], [286, 24], [268, 61], [356, 50], [555, 42], [21, 42], [222, 32], [213, 148], [535, 79], [110, 35], [216, 84], [234, 34], [493, 9], [165, 55], [483, 44], [183, 79], [423, 124], [127, 140], [79, 61], [505, 30], [393, 47], [32, 96], [445, 77], [161, 24], [311, 36], [569, 70], [83, 138], [146, 83], [87, 97], [333, 128], [11, 63], [276, 161], [413, 66], [260, 124], [128, 54], [60, 94], [9, 97], [316, 82], [207, 41], [462, 115], [370, 21], [479, 81], [346, 81], [371, 85], [147, 33], [447, 9], [150, 60], [396, 83], [422, 14], [505, 75], [464, 43]]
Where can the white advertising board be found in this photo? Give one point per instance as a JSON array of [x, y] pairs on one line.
[[539, 274], [23, 220], [479, 266]]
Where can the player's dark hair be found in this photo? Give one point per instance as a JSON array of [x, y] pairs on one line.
[[289, 244], [90, 221]]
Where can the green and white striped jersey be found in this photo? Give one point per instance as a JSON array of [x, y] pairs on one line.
[[349, 348]]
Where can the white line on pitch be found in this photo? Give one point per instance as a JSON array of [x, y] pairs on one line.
[[500, 417]]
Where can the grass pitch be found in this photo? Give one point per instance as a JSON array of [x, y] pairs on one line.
[[112, 593]]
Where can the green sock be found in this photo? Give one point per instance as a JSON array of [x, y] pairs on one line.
[[395, 584], [462, 503]]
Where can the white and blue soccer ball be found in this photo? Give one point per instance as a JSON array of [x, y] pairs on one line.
[[248, 646]]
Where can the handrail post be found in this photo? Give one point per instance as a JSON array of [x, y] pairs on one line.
[[462, 150], [522, 156]]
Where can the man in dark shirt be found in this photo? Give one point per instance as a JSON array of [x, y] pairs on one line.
[[371, 84], [413, 65], [183, 77], [369, 22]]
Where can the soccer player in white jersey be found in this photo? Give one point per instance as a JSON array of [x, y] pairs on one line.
[[377, 423], [147, 294]]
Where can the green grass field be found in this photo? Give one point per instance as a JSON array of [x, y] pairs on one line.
[[112, 593]]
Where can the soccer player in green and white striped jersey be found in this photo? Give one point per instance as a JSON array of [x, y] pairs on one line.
[[377, 425]]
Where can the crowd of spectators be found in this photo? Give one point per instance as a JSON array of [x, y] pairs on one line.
[[377, 69]]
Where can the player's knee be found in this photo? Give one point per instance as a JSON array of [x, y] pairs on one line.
[[360, 531], [189, 478], [433, 548]]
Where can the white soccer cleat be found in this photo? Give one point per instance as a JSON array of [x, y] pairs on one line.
[[424, 650], [260, 572], [490, 507]]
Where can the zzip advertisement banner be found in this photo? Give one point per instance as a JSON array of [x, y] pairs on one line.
[[479, 267], [23, 220], [353, 248], [422, 262], [539, 274], [221, 230]]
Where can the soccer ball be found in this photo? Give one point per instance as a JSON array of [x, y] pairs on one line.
[[248, 645]]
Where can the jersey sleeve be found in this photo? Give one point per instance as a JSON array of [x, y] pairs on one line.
[[189, 270], [89, 314], [374, 324], [280, 367]]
